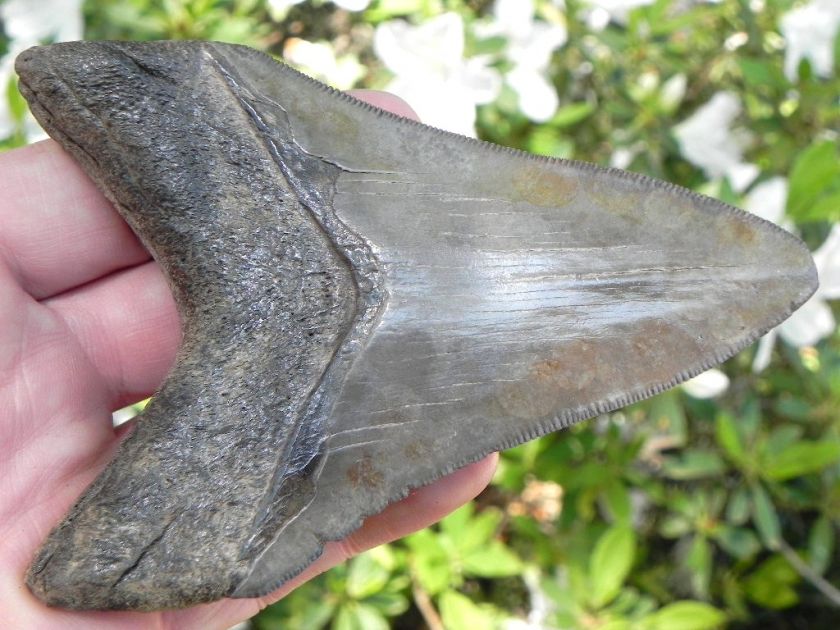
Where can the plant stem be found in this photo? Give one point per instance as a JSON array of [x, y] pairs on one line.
[[831, 592], [425, 606]]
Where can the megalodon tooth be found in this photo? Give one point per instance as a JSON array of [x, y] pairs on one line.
[[367, 304]]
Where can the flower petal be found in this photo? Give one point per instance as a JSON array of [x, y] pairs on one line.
[[537, 97], [433, 47], [318, 59], [741, 175], [809, 33], [765, 351], [516, 17], [709, 384], [707, 139], [827, 259], [617, 10], [431, 73], [767, 199], [809, 324], [31, 22]]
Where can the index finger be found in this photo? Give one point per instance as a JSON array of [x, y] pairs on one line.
[[57, 230]]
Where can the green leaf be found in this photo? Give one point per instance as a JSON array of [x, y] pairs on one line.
[[674, 526], [727, 436], [471, 533], [616, 496], [317, 614], [750, 418], [826, 208], [738, 542], [356, 616], [760, 73], [16, 102], [430, 561], [780, 438], [458, 519], [548, 141], [458, 612], [493, 560], [800, 459], [668, 416], [236, 30], [561, 596], [306, 607], [814, 171], [572, 114], [386, 9], [771, 584], [366, 576], [793, 408], [685, 615], [610, 563], [821, 544], [765, 517], [389, 604], [738, 508], [699, 560], [694, 464]]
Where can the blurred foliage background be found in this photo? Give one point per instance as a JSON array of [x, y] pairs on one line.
[[713, 505]]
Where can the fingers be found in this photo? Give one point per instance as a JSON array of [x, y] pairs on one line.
[[386, 101], [128, 326], [57, 231]]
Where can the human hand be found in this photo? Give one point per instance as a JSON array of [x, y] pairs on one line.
[[88, 325]]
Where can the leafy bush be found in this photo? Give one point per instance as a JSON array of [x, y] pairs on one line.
[[709, 506]]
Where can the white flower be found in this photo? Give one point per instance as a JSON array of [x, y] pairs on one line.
[[809, 33], [673, 92], [622, 157], [709, 384], [814, 319], [431, 73], [318, 60], [530, 44], [28, 22], [768, 199], [602, 12], [708, 140], [278, 8]]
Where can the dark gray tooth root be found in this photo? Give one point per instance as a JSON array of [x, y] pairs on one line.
[[367, 304]]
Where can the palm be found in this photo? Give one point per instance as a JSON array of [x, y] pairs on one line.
[[87, 325]]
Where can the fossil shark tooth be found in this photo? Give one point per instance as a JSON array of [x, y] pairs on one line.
[[367, 304]]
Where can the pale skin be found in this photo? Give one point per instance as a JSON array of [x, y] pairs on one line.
[[88, 325]]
